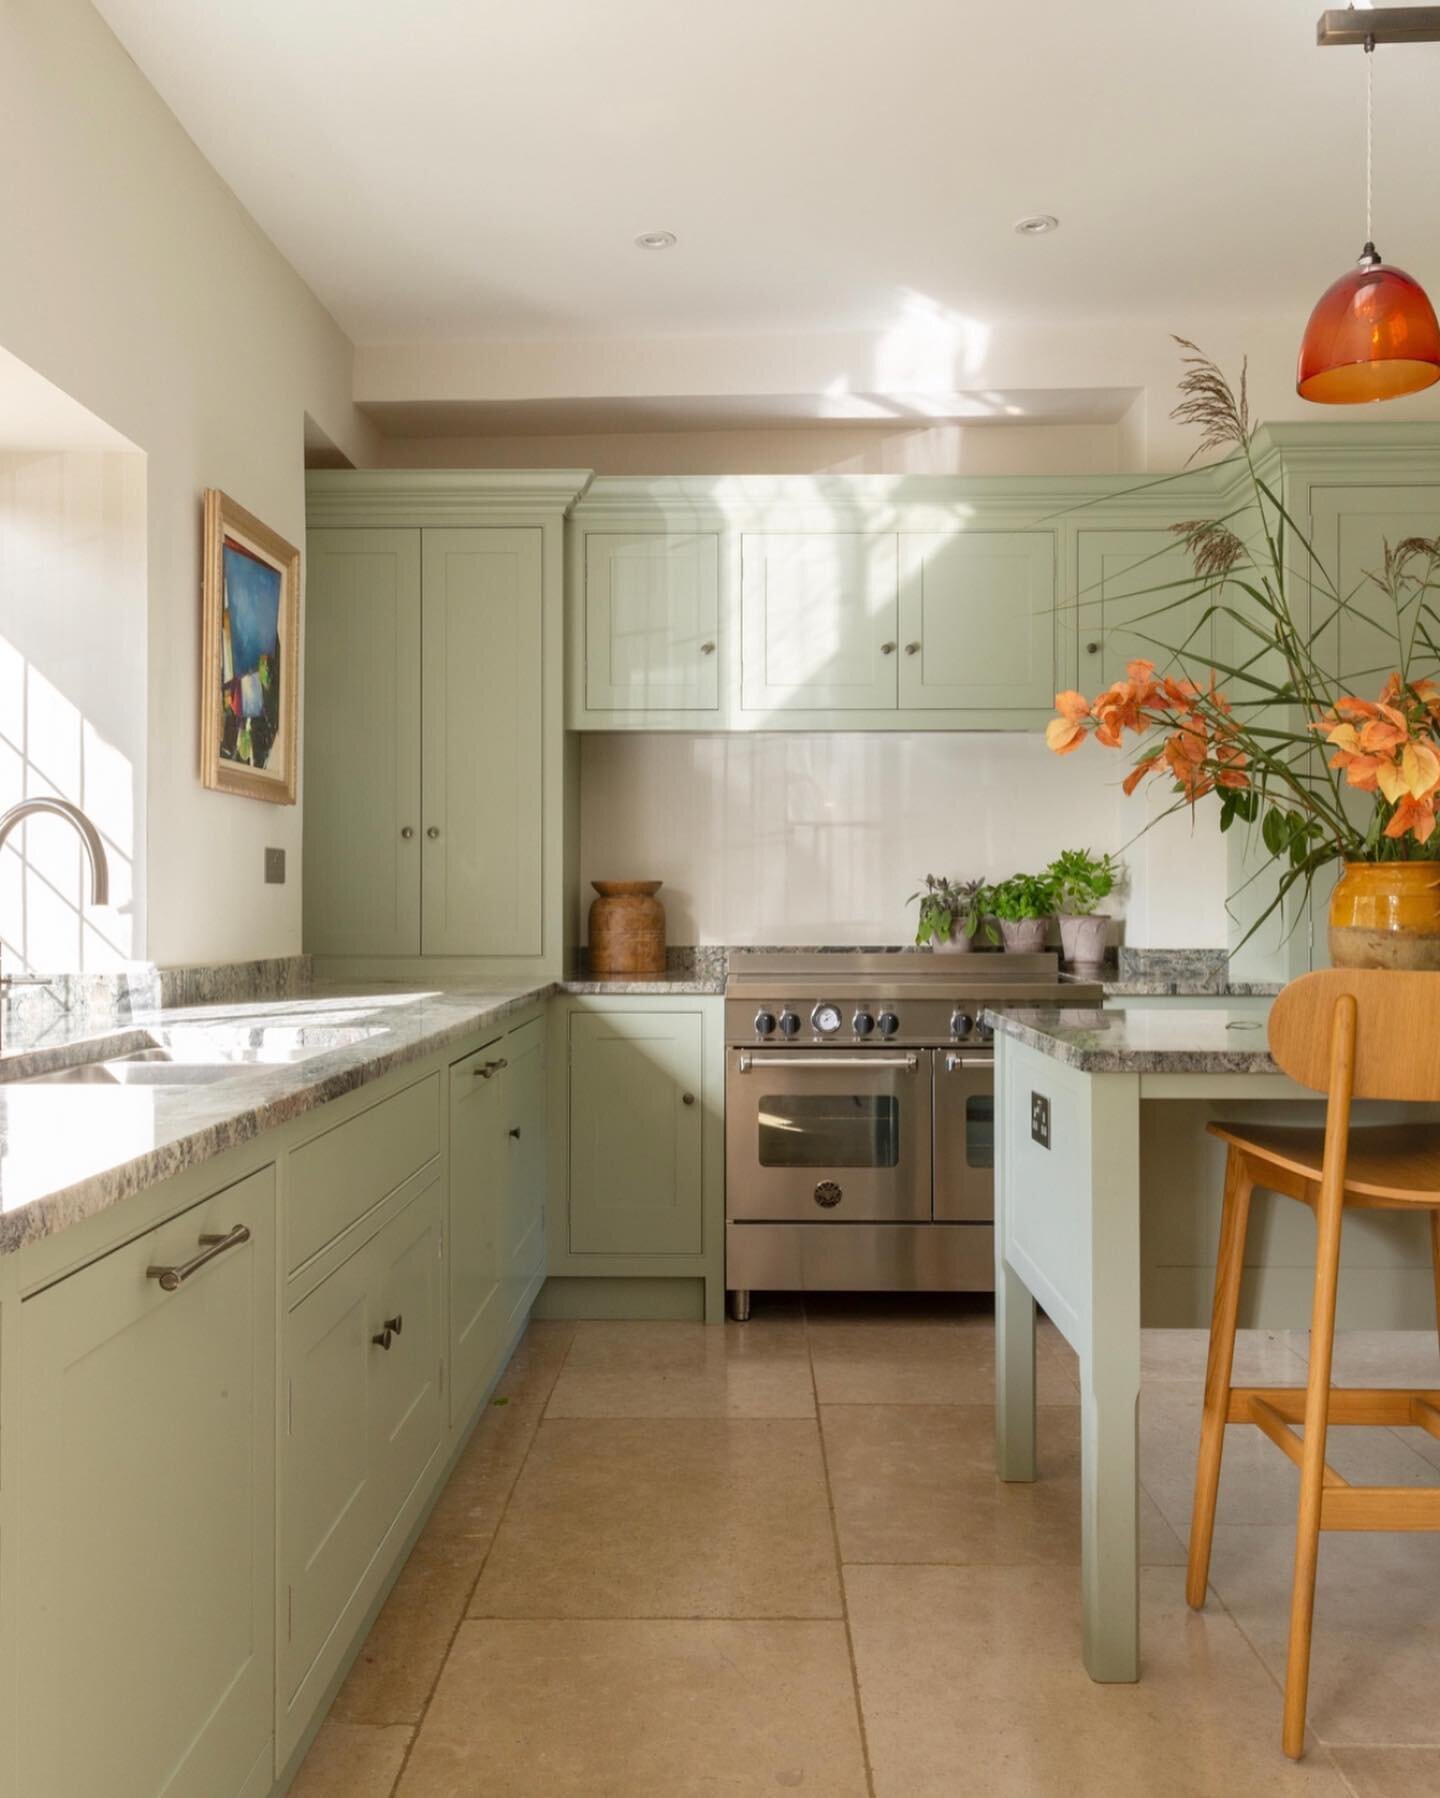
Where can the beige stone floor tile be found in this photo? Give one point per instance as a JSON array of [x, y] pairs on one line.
[[921, 1364], [666, 1517], [641, 1710], [352, 1760], [1262, 1357], [1375, 1654], [759, 1369], [1390, 1772], [536, 1363], [396, 1668], [476, 1492], [1258, 1485], [916, 1483], [971, 1681]]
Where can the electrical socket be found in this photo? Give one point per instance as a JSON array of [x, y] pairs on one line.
[[1040, 1120], [274, 867]]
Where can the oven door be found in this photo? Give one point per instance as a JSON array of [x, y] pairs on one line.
[[964, 1136], [816, 1135]]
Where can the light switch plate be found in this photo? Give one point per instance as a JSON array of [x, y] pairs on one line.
[[1040, 1120], [274, 867]]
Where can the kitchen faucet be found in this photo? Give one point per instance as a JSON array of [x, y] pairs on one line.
[[94, 852]]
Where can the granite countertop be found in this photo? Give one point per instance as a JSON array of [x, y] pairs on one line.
[[69, 1151], [1194, 1040], [1183, 988]]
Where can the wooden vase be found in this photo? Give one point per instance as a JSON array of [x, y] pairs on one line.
[[1386, 915], [627, 928]]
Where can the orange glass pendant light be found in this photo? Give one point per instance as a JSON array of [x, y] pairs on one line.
[[1373, 333]]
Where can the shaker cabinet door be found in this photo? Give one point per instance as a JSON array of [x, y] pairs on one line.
[[977, 620], [481, 743], [635, 1133], [1135, 600], [1351, 528], [818, 621], [362, 743], [651, 617], [523, 1259], [479, 1116], [146, 1595]]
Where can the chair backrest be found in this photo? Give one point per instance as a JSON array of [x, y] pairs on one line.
[[1397, 1031]]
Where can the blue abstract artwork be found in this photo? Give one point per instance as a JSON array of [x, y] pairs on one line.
[[250, 671]]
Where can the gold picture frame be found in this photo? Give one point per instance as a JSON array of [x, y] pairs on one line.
[[250, 656]]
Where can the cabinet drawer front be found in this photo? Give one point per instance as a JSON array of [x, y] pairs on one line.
[[338, 1177], [145, 1591]]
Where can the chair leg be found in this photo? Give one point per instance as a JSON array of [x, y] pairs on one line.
[[1329, 1215], [1435, 1261], [1229, 1266]]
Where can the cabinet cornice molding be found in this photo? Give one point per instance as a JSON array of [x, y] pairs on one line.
[[417, 497]]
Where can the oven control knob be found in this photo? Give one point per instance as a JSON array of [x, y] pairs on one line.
[[961, 1023], [987, 1032], [789, 1023], [764, 1023], [862, 1023], [888, 1023]]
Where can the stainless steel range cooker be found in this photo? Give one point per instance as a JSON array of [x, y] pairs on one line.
[[860, 1117]]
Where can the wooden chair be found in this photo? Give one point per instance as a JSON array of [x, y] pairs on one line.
[[1352, 1035]]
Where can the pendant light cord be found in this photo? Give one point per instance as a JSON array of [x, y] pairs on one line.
[[1369, 135]]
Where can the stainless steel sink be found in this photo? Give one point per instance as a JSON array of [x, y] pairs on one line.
[[134, 1070], [194, 1055]]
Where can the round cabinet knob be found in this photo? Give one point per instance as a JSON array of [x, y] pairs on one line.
[[515, 1132], [764, 1023], [707, 649], [407, 831], [433, 832], [687, 1098], [888, 1023], [961, 1024], [887, 649], [789, 1023], [1092, 649], [862, 1023], [912, 649]]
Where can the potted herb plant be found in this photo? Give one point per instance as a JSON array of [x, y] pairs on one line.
[[1080, 881], [953, 913], [1324, 775], [1024, 905]]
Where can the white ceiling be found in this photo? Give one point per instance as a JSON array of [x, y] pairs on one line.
[[461, 169]]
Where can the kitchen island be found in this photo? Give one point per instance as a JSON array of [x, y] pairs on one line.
[[1069, 1089]]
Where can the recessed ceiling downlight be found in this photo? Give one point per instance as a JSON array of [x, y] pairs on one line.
[[655, 240], [1037, 224]]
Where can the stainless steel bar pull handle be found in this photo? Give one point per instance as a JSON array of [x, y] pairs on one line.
[[173, 1278], [874, 1064], [490, 1069], [968, 1061]]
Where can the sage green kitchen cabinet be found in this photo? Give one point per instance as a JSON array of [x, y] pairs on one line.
[[1351, 528], [651, 621], [1121, 616], [977, 620], [481, 737], [635, 1133], [363, 1423], [146, 1584], [479, 1164], [523, 1237], [362, 742], [819, 621]]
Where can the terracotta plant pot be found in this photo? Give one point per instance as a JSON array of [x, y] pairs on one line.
[[957, 943], [1386, 915], [1082, 941], [627, 928], [1024, 936]]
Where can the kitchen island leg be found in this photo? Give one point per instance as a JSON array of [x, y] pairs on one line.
[[1014, 1375]]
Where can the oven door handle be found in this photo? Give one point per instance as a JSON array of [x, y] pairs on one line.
[[968, 1061], [875, 1064]]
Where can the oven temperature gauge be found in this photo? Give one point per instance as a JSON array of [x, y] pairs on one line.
[[825, 1019]]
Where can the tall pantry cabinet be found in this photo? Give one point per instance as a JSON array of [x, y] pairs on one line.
[[433, 724]]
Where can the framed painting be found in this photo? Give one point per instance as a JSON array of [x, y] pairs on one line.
[[250, 658]]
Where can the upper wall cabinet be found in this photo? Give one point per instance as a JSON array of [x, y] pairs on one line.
[[433, 725], [819, 621], [652, 617], [1351, 528], [977, 620], [1134, 600]]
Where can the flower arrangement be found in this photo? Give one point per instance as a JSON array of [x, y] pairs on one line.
[[954, 913], [1284, 746]]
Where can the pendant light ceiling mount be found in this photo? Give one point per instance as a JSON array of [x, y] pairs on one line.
[[1373, 334]]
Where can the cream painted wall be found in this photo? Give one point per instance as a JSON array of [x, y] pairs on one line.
[[791, 838], [984, 449], [72, 699], [136, 282]]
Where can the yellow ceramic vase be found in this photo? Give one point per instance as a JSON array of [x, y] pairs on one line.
[[1386, 915]]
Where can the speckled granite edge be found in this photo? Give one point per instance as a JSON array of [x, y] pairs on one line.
[[1181, 973], [221, 983], [262, 1099], [1077, 1039]]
